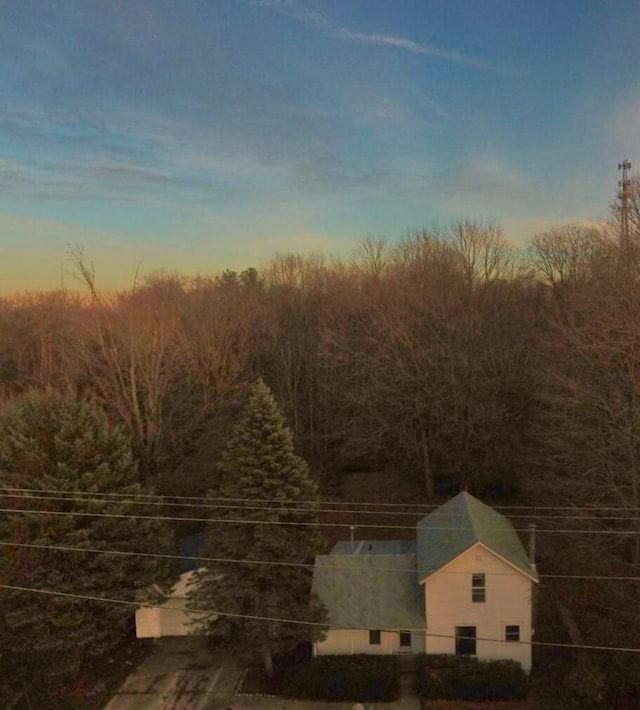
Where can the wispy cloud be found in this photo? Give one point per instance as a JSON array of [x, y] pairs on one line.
[[624, 126], [491, 175], [320, 22]]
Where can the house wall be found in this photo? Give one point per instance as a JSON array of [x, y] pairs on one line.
[[168, 619], [340, 642], [158, 621], [508, 602]]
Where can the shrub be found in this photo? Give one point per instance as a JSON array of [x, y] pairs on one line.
[[586, 685], [338, 678], [438, 675], [467, 678]]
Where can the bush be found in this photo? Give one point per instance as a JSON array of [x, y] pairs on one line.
[[586, 685], [337, 678], [467, 678]]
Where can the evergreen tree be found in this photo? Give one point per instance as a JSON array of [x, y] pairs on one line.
[[65, 443], [260, 468]]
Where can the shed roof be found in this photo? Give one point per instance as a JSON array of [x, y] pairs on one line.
[[459, 524], [189, 548], [370, 591]]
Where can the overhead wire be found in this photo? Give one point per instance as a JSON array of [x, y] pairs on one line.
[[316, 624], [276, 563], [242, 521], [422, 506], [77, 497]]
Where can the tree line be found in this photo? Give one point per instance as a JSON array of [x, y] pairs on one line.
[[450, 357], [405, 355], [437, 355]]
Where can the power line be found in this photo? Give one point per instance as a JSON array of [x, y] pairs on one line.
[[257, 617], [422, 506], [219, 498], [89, 498], [241, 521], [305, 565]]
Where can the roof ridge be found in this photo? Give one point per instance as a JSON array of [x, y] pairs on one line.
[[466, 497]]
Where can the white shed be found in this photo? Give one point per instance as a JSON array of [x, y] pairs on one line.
[[171, 618]]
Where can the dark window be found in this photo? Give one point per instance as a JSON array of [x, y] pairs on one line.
[[465, 640], [374, 637], [405, 639], [512, 633], [478, 587]]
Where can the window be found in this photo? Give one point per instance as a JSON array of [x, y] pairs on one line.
[[374, 637], [478, 587], [405, 639], [512, 633], [465, 640]]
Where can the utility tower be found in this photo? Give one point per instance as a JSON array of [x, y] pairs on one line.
[[623, 195]]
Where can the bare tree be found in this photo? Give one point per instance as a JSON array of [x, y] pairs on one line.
[[566, 257], [219, 321], [587, 452], [37, 332], [371, 258], [483, 251], [431, 370], [130, 359]]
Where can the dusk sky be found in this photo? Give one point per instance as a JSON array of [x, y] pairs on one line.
[[203, 134]]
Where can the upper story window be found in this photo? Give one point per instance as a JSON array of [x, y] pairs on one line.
[[478, 587]]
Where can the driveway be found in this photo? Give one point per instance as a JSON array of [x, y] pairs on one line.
[[246, 703], [183, 675]]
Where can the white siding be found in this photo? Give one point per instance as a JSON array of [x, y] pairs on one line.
[[170, 618], [508, 602], [340, 642]]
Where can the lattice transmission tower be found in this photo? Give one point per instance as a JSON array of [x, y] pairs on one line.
[[625, 192]]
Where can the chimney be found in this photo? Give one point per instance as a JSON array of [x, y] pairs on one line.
[[532, 544]]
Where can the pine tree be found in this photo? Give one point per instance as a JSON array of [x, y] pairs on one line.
[[65, 443], [261, 479]]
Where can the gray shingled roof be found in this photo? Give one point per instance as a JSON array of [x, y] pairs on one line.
[[460, 523], [370, 591], [374, 547]]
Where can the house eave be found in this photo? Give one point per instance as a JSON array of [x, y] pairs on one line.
[[532, 577]]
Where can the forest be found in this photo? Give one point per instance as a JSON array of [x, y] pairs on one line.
[[450, 359]]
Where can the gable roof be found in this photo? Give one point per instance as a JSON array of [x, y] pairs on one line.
[[369, 591], [459, 524]]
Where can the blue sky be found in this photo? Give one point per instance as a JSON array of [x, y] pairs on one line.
[[204, 134]]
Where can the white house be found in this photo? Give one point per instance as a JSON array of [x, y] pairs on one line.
[[464, 586]]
